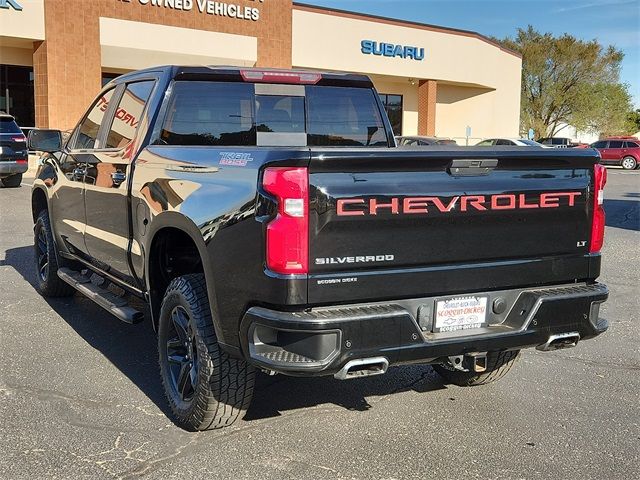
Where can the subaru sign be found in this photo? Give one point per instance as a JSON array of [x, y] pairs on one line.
[[369, 47]]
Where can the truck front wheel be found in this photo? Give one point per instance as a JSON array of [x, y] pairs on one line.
[[498, 364], [205, 387], [46, 260]]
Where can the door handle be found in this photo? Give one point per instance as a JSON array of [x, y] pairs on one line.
[[117, 178]]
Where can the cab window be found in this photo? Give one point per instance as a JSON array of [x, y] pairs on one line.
[[128, 114], [87, 132]]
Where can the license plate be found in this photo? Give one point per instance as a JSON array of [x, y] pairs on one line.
[[460, 313]]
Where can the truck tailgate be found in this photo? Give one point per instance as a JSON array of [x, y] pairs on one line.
[[404, 222]]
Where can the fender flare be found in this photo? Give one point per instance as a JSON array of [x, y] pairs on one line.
[[180, 222]]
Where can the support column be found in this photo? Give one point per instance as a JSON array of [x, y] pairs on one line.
[[66, 66], [40, 87], [427, 92]]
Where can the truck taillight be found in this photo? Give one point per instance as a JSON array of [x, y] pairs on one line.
[[288, 232], [597, 226]]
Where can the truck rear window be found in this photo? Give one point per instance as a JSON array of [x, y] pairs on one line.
[[230, 114]]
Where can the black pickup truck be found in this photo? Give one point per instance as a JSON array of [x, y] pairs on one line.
[[269, 222]]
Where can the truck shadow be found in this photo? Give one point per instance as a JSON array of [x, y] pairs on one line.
[[623, 213], [132, 350]]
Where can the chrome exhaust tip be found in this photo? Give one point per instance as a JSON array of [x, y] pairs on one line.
[[363, 367], [560, 341]]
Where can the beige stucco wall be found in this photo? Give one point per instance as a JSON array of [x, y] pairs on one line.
[[27, 23], [16, 56], [478, 82], [479, 108], [18, 31], [161, 44]]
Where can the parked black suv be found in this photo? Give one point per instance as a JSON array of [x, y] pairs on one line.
[[13, 152]]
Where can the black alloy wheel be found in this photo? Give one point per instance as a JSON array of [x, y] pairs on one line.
[[182, 354], [46, 261], [42, 255], [206, 388]]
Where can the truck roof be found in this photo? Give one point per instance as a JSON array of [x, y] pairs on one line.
[[251, 74]]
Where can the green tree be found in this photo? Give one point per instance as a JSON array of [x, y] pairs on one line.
[[569, 81], [633, 122]]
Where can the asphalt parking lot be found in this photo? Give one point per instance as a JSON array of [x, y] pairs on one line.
[[80, 395]]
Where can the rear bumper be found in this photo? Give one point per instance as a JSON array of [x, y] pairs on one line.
[[11, 168], [321, 341]]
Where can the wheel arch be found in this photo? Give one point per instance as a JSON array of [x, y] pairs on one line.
[[39, 202], [169, 230]]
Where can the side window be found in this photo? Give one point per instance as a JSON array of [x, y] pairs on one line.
[[615, 144], [600, 144], [485, 143], [87, 132], [128, 114], [504, 142], [630, 145]]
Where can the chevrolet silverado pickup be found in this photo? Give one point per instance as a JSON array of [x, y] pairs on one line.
[[267, 221]]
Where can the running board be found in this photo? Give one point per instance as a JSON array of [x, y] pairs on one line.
[[112, 303]]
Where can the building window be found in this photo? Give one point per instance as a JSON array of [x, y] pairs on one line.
[[107, 77], [393, 106], [17, 93]]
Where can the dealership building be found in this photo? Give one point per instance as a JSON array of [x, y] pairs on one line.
[[433, 80]]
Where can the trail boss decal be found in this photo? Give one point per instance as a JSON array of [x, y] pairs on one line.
[[463, 203]]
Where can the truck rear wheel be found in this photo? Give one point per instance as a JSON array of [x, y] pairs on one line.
[[498, 364], [205, 387]]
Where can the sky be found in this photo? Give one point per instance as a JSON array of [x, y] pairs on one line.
[[611, 22]]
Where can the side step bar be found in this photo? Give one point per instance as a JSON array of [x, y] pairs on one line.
[[111, 302]]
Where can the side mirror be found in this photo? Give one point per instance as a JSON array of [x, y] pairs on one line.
[[42, 140]]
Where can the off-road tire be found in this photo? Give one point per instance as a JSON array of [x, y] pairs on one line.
[[12, 181], [47, 281], [498, 365], [224, 386]]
